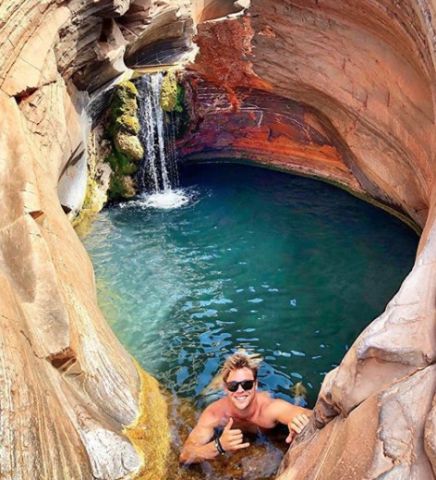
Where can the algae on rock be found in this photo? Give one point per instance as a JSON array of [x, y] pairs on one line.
[[173, 102], [150, 432], [127, 150], [171, 94], [97, 186]]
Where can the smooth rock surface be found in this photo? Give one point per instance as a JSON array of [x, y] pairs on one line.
[[392, 445], [68, 387], [430, 436], [60, 384], [353, 85]]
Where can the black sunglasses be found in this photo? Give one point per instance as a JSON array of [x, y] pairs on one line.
[[245, 384]]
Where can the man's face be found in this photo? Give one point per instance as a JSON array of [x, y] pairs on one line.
[[241, 398]]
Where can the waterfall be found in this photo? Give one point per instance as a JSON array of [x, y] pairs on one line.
[[158, 172]]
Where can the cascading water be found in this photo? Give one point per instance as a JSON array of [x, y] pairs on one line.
[[158, 177]]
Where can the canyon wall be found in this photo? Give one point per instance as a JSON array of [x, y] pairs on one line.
[[68, 388], [343, 90]]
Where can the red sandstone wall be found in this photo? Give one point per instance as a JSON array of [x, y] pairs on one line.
[[346, 91]]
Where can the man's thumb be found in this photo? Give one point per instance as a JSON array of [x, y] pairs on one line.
[[290, 437], [229, 424]]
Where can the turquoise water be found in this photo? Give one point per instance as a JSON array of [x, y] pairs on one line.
[[285, 266]]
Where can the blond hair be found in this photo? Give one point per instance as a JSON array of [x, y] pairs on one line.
[[241, 359]]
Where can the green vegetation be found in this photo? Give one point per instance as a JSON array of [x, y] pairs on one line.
[[92, 204], [124, 99], [172, 100], [127, 151], [128, 123], [172, 94]]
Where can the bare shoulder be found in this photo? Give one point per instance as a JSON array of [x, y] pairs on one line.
[[283, 411], [214, 414], [264, 398], [266, 402], [279, 404]]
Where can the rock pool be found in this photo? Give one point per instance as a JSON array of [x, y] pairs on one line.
[[288, 267]]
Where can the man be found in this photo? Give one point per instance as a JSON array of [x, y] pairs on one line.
[[242, 409]]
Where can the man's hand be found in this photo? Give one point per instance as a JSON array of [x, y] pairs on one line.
[[232, 439], [296, 426]]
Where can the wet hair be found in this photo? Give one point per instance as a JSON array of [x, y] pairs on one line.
[[240, 359]]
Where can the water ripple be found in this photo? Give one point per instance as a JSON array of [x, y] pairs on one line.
[[282, 265]]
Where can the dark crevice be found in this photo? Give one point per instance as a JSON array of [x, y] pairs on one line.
[[62, 360], [37, 215], [19, 97]]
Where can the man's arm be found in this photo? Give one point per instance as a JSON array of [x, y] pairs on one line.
[[293, 416], [199, 446]]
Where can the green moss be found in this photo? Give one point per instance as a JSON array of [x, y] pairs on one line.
[[172, 100], [120, 164], [129, 146], [125, 92], [122, 130], [121, 187], [168, 92], [122, 184], [172, 94], [128, 123], [180, 100], [123, 101], [95, 198]]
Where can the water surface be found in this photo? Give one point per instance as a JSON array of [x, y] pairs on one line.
[[289, 267], [285, 266]]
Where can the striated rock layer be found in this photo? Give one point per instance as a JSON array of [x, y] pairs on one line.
[[340, 90], [68, 388], [64, 400], [263, 128], [344, 91]]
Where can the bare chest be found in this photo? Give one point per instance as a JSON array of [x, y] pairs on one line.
[[257, 419], [253, 423]]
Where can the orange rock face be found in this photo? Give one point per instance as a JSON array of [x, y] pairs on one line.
[[264, 128], [369, 69], [223, 59], [344, 91]]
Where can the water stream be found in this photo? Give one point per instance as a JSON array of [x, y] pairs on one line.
[[286, 266]]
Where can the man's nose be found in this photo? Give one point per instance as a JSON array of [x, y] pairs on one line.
[[240, 389]]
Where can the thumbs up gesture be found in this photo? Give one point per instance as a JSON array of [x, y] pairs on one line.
[[232, 439]]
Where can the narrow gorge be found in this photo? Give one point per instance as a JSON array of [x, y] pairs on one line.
[[342, 91]]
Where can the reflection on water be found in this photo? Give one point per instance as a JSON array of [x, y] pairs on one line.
[[284, 266]]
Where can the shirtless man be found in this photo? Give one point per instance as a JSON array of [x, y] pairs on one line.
[[243, 408]]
